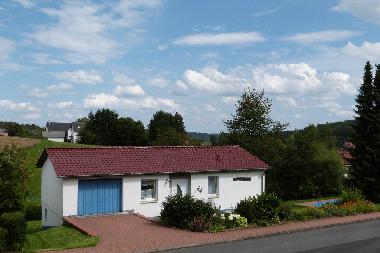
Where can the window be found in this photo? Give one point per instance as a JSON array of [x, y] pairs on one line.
[[241, 179], [149, 189], [213, 186]]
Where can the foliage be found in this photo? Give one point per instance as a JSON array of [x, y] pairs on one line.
[[182, 211], [15, 225], [200, 224], [3, 238], [13, 178], [164, 120], [106, 128], [308, 166], [32, 211], [168, 136], [261, 210], [22, 130], [223, 221], [351, 194], [62, 237], [285, 211], [365, 173]]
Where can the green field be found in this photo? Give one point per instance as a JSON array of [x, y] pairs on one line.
[[30, 157], [62, 237]]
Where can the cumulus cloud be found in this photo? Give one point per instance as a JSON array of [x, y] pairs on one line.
[[366, 51], [10, 105], [322, 36], [48, 90], [267, 12], [131, 90], [284, 79], [365, 9], [25, 3], [81, 76], [159, 82], [113, 101], [61, 105], [289, 101], [219, 38], [123, 80]]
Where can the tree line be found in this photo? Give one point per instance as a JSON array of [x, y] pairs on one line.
[[105, 127]]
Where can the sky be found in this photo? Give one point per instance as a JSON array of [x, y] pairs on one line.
[[59, 60]]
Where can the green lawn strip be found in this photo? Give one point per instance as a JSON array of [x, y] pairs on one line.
[[62, 237], [299, 208], [377, 207], [30, 157]]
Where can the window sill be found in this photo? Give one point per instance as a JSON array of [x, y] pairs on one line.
[[213, 196], [147, 201]]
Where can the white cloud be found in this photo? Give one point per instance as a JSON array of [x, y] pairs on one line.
[[322, 36], [81, 76], [210, 108], [124, 80], [18, 107], [61, 105], [220, 38], [25, 3], [289, 101], [132, 90], [7, 47], [48, 90], [230, 100], [365, 9], [159, 82], [83, 30], [335, 108], [366, 51], [162, 47], [113, 101], [43, 58], [266, 12], [341, 81]]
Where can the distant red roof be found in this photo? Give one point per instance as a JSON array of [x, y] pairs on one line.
[[72, 162]]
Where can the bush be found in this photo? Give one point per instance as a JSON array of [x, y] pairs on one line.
[[200, 224], [261, 210], [351, 195], [32, 211], [246, 208], [3, 236], [285, 211], [313, 213], [350, 208], [223, 221], [15, 225], [182, 211]]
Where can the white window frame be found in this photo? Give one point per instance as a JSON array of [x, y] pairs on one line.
[[155, 193], [216, 194]]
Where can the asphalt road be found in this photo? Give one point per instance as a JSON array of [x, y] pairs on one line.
[[353, 238]]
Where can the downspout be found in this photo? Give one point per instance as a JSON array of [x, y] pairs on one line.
[[263, 182]]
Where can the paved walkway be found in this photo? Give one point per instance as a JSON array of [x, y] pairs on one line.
[[130, 233]]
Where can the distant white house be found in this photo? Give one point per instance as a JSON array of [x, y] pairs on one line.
[[3, 132], [93, 181], [56, 131]]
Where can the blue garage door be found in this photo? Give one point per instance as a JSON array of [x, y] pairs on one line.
[[99, 196]]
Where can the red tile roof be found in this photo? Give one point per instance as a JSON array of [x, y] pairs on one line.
[[72, 162]]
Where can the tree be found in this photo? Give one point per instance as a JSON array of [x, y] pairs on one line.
[[307, 167], [252, 127], [364, 173], [161, 121], [13, 178], [130, 133], [106, 128], [168, 136]]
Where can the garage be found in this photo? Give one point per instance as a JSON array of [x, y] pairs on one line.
[[99, 196]]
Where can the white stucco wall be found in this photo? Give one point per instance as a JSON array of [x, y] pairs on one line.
[[230, 192], [70, 196], [51, 196], [132, 194]]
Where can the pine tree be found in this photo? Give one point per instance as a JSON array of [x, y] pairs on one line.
[[362, 173]]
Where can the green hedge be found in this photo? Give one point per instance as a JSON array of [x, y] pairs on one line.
[[3, 236], [32, 211], [15, 225]]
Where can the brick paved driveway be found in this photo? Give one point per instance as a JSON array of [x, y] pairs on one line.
[[130, 233]]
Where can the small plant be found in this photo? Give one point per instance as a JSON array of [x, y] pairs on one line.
[[247, 208], [285, 211], [200, 224], [351, 195], [242, 222]]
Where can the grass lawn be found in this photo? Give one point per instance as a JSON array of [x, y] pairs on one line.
[[62, 237], [377, 207], [298, 208], [30, 158]]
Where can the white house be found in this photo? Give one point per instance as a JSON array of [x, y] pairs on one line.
[[93, 181], [56, 131]]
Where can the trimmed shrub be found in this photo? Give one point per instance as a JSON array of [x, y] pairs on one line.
[[182, 211], [246, 208], [351, 195], [15, 225], [3, 237], [32, 211]]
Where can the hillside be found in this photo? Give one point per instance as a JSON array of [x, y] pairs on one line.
[[205, 137], [17, 142]]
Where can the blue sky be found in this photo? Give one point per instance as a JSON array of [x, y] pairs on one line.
[[61, 59]]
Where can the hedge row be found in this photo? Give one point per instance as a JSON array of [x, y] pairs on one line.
[[12, 231]]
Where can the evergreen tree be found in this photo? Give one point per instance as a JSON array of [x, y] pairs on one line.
[[363, 172]]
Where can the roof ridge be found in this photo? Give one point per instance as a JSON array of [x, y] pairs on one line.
[[144, 147]]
